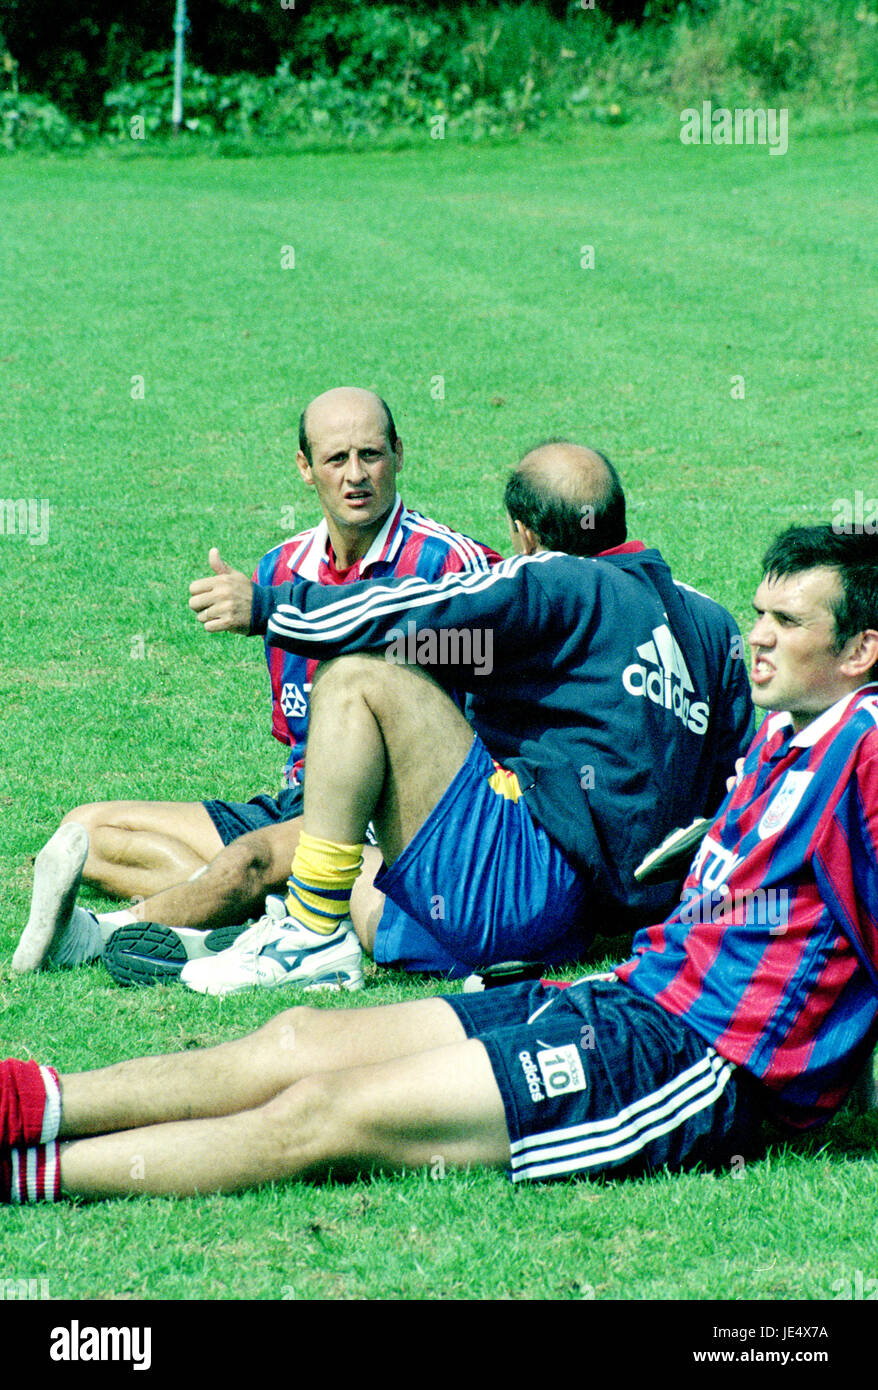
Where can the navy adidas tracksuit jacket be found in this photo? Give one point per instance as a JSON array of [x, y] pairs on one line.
[[619, 697]]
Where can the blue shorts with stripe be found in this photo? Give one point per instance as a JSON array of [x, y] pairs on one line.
[[598, 1079], [483, 882]]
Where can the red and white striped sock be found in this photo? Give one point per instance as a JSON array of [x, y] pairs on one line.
[[30, 1175], [30, 1104]]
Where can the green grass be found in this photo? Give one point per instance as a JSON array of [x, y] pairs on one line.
[[710, 263]]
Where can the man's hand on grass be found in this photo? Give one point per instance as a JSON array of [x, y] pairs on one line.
[[224, 602]]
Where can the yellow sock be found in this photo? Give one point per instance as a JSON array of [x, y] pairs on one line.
[[320, 882]]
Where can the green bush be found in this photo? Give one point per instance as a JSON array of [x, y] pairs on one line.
[[33, 123], [752, 51], [374, 69], [370, 70]]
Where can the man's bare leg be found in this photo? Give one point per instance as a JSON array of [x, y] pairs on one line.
[[404, 1112], [384, 744], [138, 848], [235, 884], [248, 1071]]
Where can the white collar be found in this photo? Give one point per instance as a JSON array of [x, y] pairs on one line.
[[813, 732], [318, 547]]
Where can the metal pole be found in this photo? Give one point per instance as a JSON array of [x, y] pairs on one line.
[[179, 30]]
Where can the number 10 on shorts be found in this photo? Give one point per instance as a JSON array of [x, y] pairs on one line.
[[561, 1069]]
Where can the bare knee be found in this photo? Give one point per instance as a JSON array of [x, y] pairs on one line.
[[104, 844], [366, 676], [91, 816], [293, 1030], [259, 862], [300, 1131]]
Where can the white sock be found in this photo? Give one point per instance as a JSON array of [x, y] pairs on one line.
[[122, 918], [82, 941], [109, 921]]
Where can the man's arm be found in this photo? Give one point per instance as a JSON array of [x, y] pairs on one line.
[[506, 605]]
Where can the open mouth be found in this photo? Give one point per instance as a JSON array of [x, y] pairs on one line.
[[761, 671]]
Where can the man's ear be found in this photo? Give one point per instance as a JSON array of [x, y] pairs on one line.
[[529, 540], [398, 452], [863, 654], [304, 468]]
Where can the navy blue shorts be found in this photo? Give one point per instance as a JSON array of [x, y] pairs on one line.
[[235, 818], [599, 1079], [484, 882]]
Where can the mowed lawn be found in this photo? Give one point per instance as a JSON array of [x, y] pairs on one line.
[[157, 346]]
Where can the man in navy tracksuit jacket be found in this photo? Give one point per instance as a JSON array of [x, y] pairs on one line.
[[609, 704]]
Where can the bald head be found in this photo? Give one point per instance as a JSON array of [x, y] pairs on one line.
[[569, 470], [341, 406], [569, 497]]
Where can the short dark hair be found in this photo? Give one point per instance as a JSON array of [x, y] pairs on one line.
[[853, 555], [560, 521], [392, 436]]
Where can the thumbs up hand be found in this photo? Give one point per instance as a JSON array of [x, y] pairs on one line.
[[217, 564], [224, 602]]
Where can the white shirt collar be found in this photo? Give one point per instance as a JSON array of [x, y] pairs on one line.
[[318, 548], [813, 732]]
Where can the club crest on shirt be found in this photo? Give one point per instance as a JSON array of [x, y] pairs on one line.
[[292, 701], [782, 806]]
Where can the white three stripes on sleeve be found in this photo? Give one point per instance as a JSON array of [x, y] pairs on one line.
[[342, 618]]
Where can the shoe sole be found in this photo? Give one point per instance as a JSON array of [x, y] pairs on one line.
[[148, 953], [331, 984], [57, 874]]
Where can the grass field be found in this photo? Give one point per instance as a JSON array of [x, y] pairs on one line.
[[153, 360]]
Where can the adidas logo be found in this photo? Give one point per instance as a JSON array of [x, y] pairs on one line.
[[663, 677]]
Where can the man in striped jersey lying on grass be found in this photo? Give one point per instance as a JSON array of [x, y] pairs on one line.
[[758, 994]]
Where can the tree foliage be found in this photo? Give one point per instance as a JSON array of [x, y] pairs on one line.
[[73, 51]]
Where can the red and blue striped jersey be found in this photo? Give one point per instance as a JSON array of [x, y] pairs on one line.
[[771, 956], [407, 544]]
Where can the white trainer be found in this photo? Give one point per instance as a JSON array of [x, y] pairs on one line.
[[278, 950], [57, 931]]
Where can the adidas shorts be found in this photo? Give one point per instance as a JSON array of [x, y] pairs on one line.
[[597, 1079], [484, 882]]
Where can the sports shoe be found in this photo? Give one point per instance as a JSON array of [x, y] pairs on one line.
[[278, 950], [57, 931], [147, 953]]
